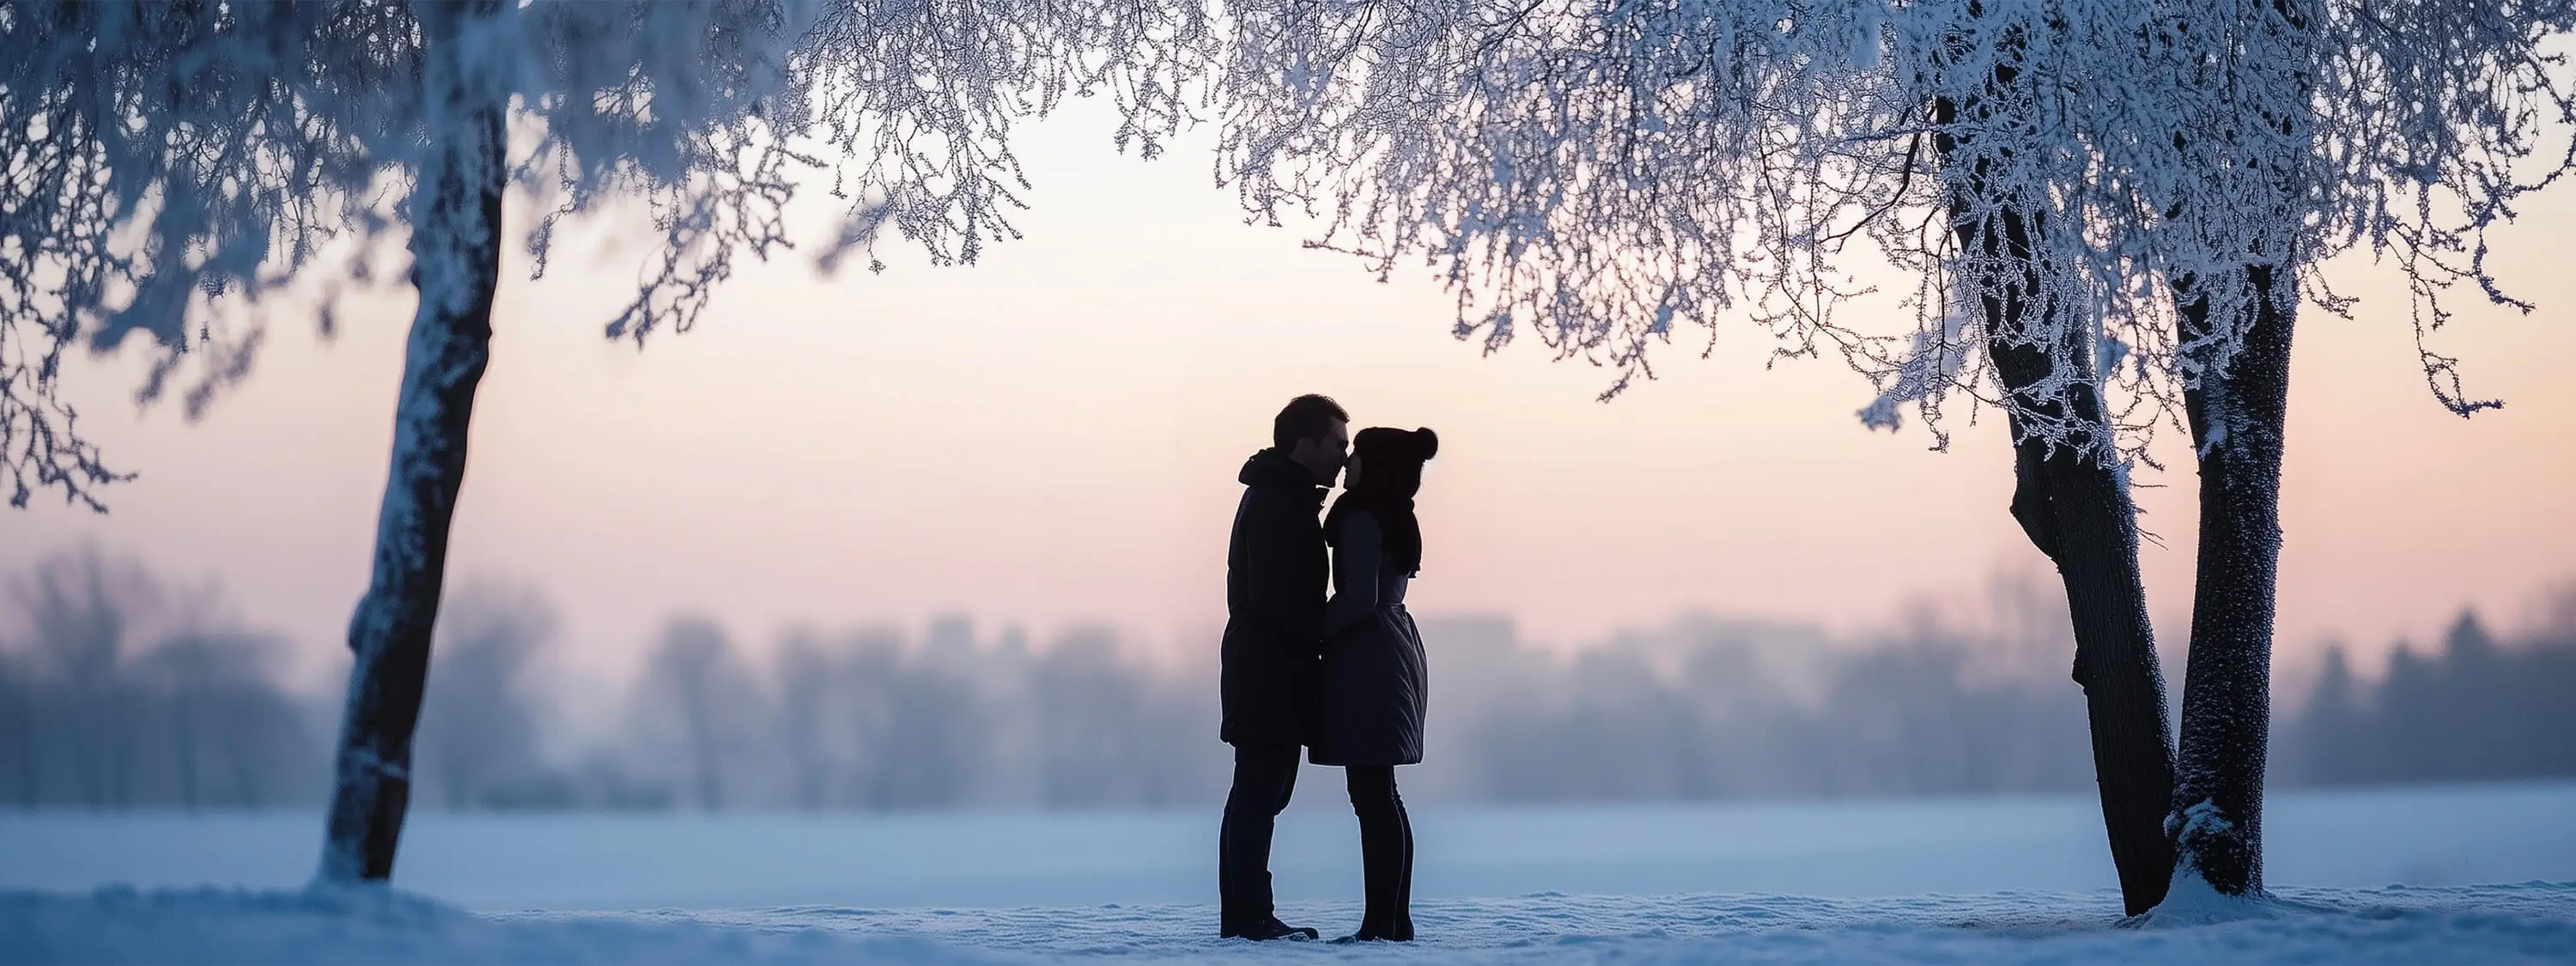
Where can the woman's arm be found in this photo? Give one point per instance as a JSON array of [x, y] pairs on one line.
[[1355, 563]]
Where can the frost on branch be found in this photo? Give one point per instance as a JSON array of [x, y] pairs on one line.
[[164, 156], [159, 156], [916, 103], [1594, 172], [910, 106], [1932, 363]]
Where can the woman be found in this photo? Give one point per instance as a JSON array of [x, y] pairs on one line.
[[1374, 678]]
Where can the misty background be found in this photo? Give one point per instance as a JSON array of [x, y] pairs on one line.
[[122, 689]]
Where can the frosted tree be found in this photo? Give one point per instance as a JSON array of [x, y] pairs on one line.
[[172, 163], [2233, 148], [2106, 213], [2311, 128], [166, 155]]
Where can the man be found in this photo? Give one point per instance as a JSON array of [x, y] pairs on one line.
[[1275, 570]]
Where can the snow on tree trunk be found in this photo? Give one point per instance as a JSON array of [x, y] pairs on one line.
[[2235, 328], [456, 253], [2237, 415]]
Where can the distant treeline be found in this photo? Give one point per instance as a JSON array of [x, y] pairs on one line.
[[2479, 709], [116, 692]]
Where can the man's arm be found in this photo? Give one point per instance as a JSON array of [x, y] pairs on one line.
[[1265, 556]]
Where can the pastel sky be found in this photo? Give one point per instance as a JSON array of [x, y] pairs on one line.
[[1052, 435]]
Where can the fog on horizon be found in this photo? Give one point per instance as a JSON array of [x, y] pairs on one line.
[[119, 692]]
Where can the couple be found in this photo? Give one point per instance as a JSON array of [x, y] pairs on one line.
[[1342, 676]]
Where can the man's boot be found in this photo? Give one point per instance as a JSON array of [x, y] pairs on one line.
[[1269, 928]]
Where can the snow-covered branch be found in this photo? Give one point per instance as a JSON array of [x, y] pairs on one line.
[[1596, 172], [162, 156]]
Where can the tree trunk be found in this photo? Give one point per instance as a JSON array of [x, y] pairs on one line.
[[19, 714], [2077, 511], [123, 733], [702, 748], [2238, 414], [2075, 508], [456, 265], [2237, 417], [185, 735]]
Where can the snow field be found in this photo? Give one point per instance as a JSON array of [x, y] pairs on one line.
[[2374, 876], [2529, 923]]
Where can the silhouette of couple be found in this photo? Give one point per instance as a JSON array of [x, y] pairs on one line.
[[1341, 677]]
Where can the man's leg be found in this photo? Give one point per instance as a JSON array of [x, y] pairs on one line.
[[1264, 777]]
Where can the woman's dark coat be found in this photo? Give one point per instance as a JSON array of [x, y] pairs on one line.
[[1376, 681], [1274, 602]]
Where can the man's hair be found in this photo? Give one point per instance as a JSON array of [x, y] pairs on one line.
[[1306, 417]]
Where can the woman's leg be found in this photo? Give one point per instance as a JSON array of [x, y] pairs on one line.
[[1386, 853], [1404, 886]]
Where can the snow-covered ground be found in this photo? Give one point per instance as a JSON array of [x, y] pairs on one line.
[[2462, 924], [2379, 876]]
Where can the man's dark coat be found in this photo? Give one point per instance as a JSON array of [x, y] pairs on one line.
[[1275, 569]]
